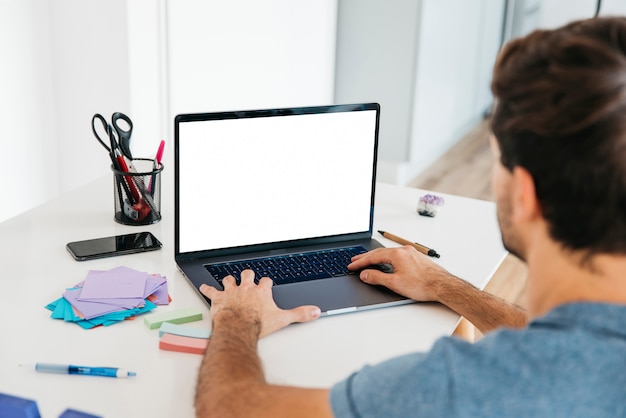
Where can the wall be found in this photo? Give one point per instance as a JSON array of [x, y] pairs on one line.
[[376, 59], [555, 13], [242, 54], [28, 139], [427, 63], [147, 72], [65, 60], [89, 50], [62, 62], [453, 75]]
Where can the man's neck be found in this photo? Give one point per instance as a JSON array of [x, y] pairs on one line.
[[556, 277]]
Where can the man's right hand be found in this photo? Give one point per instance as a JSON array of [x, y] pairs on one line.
[[417, 277], [414, 274]]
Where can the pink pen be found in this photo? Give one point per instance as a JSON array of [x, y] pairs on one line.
[[159, 154], [157, 164]]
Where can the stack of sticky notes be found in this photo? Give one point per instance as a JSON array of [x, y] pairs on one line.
[[184, 339], [176, 337], [107, 297]]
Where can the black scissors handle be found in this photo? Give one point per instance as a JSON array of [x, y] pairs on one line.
[[123, 135], [107, 129]]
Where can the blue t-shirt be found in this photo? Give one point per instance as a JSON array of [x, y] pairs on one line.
[[569, 363]]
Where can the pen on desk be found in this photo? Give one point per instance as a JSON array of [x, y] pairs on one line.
[[84, 370], [419, 247]]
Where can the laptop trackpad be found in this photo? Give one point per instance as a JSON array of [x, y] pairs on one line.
[[334, 293]]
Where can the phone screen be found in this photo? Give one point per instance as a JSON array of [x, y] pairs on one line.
[[112, 246]]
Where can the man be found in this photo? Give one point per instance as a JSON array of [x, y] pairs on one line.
[[560, 185]]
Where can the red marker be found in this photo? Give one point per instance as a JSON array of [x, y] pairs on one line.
[[121, 162]]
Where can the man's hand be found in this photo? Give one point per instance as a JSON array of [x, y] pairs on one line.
[[414, 274], [231, 366], [419, 278], [254, 303]]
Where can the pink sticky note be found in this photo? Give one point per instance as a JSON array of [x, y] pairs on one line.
[[171, 342]]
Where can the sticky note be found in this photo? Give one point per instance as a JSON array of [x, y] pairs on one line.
[[120, 282], [171, 342], [15, 407], [183, 331], [178, 316]]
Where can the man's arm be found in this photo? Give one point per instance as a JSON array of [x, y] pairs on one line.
[[231, 382], [419, 278]]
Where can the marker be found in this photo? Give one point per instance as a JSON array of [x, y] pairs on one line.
[[84, 370], [159, 154], [157, 164], [123, 167], [419, 247]]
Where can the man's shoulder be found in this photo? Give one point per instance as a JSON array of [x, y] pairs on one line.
[[553, 360]]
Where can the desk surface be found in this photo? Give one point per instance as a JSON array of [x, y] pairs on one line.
[[36, 269]]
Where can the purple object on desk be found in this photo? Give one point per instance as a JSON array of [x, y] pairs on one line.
[[429, 204], [15, 407], [117, 283], [72, 413]]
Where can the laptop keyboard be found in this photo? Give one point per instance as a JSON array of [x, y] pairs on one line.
[[291, 268]]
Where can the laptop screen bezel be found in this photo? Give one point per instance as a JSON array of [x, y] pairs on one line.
[[194, 117]]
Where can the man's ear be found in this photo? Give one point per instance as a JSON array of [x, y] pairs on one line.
[[525, 203]]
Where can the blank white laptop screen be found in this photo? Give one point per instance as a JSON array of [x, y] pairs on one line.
[[262, 180]]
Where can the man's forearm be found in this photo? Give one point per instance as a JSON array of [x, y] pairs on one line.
[[486, 311], [231, 366], [231, 382]]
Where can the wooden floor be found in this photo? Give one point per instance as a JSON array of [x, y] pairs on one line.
[[465, 170]]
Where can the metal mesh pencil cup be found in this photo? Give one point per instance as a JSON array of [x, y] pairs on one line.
[[137, 193]]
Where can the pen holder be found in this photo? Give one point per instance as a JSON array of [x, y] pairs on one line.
[[137, 193]]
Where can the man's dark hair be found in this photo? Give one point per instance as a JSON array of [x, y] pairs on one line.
[[561, 114]]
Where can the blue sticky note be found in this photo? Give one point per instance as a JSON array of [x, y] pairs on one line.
[[14, 407], [62, 309], [184, 331]]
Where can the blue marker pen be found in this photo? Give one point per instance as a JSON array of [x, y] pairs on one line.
[[88, 371]]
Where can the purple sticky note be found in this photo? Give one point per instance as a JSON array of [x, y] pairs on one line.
[[161, 295], [73, 413], [153, 282], [118, 283], [88, 309]]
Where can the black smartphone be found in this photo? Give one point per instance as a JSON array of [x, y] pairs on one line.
[[112, 246]]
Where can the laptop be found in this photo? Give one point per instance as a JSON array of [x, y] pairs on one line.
[[288, 193]]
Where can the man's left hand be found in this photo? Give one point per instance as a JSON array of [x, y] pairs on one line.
[[254, 302]]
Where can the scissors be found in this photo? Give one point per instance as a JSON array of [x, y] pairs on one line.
[[142, 202], [114, 152], [122, 143]]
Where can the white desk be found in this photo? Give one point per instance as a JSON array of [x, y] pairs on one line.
[[36, 269]]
